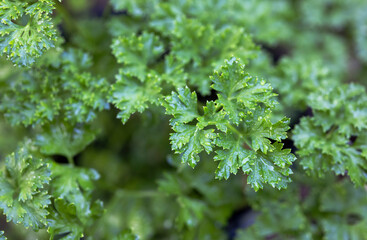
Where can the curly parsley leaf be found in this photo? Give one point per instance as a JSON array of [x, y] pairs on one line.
[[64, 220], [239, 93], [237, 126], [183, 106], [73, 207], [23, 194], [325, 140], [26, 30], [60, 90], [64, 140], [132, 94], [297, 77], [189, 141], [137, 53]]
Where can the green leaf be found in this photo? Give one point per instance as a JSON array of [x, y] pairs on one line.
[[324, 140], [260, 134], [191, 40], [131, 94], [213, 115], [126, 235], [330, 109], [64, 220], [281, 157], [64, 140], [274, 221], [260, 130], [73, 209], [2, 237], [240, 93], [295, 78], [137, 53], [189, 141], [356, 164], [232, 157], [23, 196], [59, 90], [263, 169], [183, 106], [137, 8], [170, 184], [191, 212], [75, 185], [347, 212], [26, 30], [237, 126], [173, 72]]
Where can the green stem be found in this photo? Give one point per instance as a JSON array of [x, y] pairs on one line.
[[70, 160], [241, 136], [233, 129], [29, 21], [331, 130]]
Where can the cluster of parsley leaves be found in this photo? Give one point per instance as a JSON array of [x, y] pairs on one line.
[[162, 119]]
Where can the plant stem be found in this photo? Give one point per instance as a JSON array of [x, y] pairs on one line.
[[233, 129], [331, 130], [70, 160]]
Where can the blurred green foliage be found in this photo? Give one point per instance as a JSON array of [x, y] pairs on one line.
[[105, 104]]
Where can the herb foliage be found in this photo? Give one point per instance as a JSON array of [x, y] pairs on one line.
[[155, 119]]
